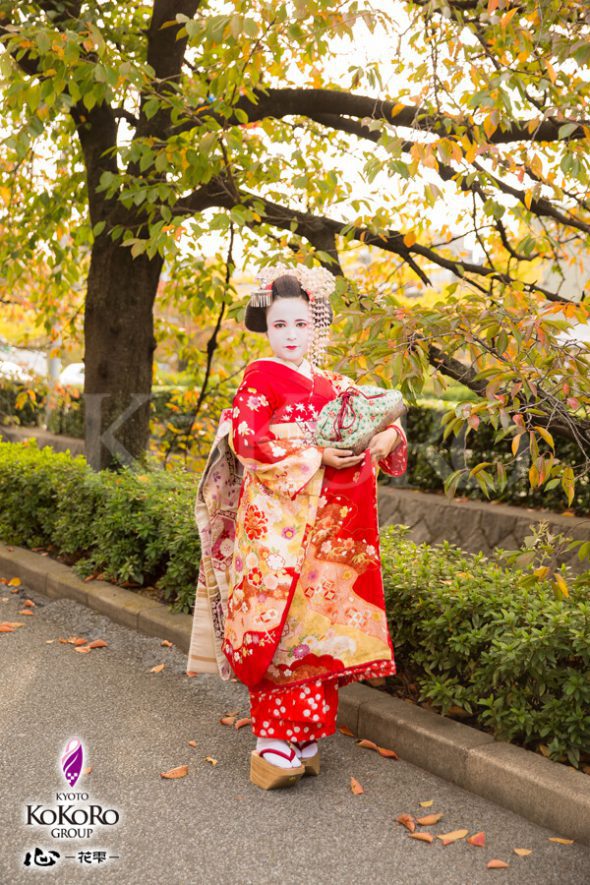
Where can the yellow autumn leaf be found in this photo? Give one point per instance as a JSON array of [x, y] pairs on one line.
[[453, 836], [528, 198], [355, 786], [421, 837], [489, 125], [561, 585], [546, 435], [409, 239], [179, 771], [429, 820], [507, 17], [522, 852]]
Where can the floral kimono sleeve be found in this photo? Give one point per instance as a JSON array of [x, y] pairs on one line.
[[281, 465]]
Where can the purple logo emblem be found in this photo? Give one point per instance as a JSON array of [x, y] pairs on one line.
[[71, 761]]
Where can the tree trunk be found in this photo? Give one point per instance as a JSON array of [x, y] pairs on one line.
[[119, 349]]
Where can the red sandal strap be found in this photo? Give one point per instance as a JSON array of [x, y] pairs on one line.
[[278, 752], [303, 744]]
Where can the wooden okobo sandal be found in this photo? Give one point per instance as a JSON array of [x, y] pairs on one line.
[[312, 764], [270, 777]]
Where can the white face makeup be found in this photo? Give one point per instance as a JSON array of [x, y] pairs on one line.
[[289, 328]]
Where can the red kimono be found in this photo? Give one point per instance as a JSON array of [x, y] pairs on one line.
[[305, 609]]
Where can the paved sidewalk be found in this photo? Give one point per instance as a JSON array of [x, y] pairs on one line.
[[213, 826]]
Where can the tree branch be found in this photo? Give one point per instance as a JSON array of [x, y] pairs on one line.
[[285, 102], [221, 194], [560, 420], [165, 54]]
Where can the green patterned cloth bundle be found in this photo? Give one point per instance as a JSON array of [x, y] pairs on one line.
[[352, 419]]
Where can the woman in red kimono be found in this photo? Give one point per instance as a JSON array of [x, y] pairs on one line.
[[305, 610]]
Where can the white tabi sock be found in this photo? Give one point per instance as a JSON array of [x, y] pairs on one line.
[[263, 743], [306, 752]]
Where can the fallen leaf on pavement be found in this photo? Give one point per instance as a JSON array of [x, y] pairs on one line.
[[98, 643], [83, 649], [158, 668], [429, 820], [87, 770], [496, 864], [25, 611], [560, 840], [191, 673], [241, 722], [6, 628], [370, 745], [422, 837], [227, 720], [454, 836], [355, 786], [344, 730], [211, 760], [180, 771], [389, 754], [477, 839], [523, 852], [14, 582], [427, 804], [167, 643], [407, 821], [192, 743], [29, 603]]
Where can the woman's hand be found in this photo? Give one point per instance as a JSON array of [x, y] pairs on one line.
[[340, 458], [383, 443]]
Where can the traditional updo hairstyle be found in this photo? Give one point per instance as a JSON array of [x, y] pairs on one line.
[[285, 286]]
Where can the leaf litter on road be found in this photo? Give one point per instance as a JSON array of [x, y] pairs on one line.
[[355, 786], [173, 773]]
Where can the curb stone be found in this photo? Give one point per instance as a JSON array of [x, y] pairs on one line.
[[547, 793]]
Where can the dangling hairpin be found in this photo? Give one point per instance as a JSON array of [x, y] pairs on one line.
[[262, 297]]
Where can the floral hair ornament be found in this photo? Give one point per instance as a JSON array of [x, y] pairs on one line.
[[318, 283]]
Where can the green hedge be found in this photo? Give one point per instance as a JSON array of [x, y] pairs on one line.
[[469, 633], [131, 528], [465, 628]]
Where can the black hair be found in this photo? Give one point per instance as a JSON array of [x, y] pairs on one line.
[[285, 286]]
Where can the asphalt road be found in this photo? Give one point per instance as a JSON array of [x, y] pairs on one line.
[[211, 827]]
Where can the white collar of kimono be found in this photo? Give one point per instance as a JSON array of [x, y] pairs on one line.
[[304, 368]]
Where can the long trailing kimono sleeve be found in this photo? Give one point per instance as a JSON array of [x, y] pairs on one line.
[[278, 505], [281, 466]]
